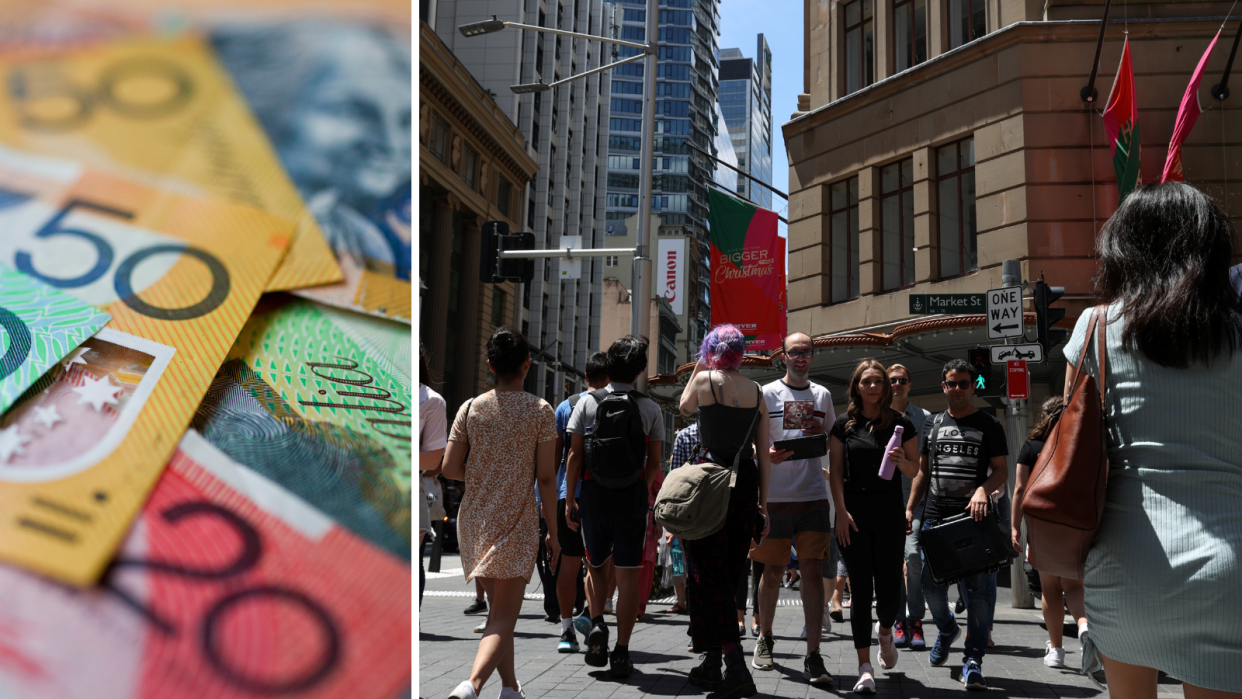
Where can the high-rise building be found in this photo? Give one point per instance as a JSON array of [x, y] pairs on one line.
[[746, 99], [685, 100], [567, 133]]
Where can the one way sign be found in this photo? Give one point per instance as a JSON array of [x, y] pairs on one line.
[[1004, 312]]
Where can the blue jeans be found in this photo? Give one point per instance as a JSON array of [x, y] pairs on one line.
[[912, 606], [980, 604]]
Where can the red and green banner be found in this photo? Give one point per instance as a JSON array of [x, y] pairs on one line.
[[748, 270], [1121, 125], [1186, 118]]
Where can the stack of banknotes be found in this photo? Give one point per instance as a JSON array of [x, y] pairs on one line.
[[205, 348]]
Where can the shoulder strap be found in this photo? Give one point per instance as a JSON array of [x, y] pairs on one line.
[[573, 400], [713, 386], [931, 441], [749, 430], [1101, 344], [466, 423]]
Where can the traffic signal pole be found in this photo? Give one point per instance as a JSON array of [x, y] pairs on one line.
[[1017, 425]]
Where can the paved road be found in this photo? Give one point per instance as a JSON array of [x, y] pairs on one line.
[[447, 646]]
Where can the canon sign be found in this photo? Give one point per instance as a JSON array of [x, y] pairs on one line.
[[670, 272]]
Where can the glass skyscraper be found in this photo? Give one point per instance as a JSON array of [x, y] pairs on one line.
[[746, 99]]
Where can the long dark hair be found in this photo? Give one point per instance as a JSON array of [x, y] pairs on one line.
[[1165, 257], [424, 368], [854, 409], [1049, 416]]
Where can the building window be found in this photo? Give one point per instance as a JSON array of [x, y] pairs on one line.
[[504, 192], [437, 140], [469, 166], [910, 32], [859, 45], [897, 224], [955, 175], [844, 235], [611, 260], [967, 22], [499, 300]]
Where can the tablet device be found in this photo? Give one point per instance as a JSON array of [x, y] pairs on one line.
[[811, 447]]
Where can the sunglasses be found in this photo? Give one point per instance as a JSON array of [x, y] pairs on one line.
[[800, 354], [958, 384], [898, 380]]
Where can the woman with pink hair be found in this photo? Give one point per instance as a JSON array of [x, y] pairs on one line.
[[732, 421]]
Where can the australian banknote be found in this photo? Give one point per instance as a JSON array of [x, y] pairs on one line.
[[318, 400], [179, 275], [39, 326], [227, 586]]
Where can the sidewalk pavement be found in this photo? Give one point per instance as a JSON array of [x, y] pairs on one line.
[[1014, 668]]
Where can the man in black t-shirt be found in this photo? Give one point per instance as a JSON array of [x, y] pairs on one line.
[[959, 448]]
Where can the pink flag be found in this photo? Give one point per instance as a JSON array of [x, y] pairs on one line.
[[1187, 115]]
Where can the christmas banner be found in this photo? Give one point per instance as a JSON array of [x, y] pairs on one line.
[[748, 270], [1187, 115], [1121, 124]]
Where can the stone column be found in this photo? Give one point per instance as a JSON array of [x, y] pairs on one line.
[[438, 280], [470, 313], [884, 57], [869, 273], [926, 240], [937, 27]]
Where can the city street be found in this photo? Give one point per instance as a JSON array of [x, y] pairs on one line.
[[447, 645]]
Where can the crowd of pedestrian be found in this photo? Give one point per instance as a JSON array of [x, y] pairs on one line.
[[845, 502]]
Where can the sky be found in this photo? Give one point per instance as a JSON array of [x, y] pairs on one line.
[[780, 21]]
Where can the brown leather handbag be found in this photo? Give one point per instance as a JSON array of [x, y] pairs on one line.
[[1064, 498]]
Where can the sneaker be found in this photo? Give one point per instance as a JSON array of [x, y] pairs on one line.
[[597, 646], [940, 652], [619, 664], [479, 606], [737, 683], [826, 627], [1053, 657], [866, 680], [802, 635], [582, 624], [959, 606], [510, 693], [900, 638], [481, 627], [569, 642], [972, 675], [917, 642], [763, 654], [816, 673], [465, 690], [709, 673], [888, 651], [608, 606]]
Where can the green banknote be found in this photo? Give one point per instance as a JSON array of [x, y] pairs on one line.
[[39, 326], [318, 400]]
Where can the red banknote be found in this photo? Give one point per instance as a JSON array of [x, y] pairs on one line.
[[227, 586]]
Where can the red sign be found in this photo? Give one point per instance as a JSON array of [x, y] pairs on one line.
[[1019, 380]]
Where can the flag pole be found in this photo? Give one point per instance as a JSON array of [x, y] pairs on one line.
[[1221, 90], [1088, 94]]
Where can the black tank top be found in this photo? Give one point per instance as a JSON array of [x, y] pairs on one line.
[[724, 429]]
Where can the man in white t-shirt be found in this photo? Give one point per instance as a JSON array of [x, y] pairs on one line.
[[797, 503]]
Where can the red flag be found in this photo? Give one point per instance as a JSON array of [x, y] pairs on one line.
[[1186, 118], [1121, 125]]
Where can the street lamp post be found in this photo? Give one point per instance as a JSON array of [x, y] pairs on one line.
[[640, 291]]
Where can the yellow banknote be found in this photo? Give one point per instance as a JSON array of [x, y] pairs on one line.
[[179, 275], [159, 112]]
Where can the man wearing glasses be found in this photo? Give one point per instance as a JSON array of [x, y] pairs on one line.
[[961, 445], [908, 631], [797, 504]]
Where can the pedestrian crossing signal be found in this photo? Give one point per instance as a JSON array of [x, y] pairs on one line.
[[986, 384]]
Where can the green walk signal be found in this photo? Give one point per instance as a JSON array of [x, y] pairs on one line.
[[980, 384]]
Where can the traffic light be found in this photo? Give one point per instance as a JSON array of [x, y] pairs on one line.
[[1046, 317], [496, 238], [986, 383]]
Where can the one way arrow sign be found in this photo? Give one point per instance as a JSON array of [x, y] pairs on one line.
[[1004, 312]]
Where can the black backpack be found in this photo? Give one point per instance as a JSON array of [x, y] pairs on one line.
[[616, 449]]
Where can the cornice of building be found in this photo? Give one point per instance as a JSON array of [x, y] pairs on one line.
[[443, 77], [1017, 33]]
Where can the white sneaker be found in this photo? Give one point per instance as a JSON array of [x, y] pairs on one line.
[[510, 693], [803, 634], [608, 606], [866, 680], [1053, 657], [482, 626], [888, 650], [1082, 632], [465, 690], [827, 626]]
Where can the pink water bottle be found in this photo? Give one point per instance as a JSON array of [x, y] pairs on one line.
[[886, 465]]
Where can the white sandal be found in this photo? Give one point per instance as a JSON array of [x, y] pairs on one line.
[[866, 680]]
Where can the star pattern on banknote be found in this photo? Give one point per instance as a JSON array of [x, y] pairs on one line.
[[11, 442], [75, 357], [47, 416], [97, 392]]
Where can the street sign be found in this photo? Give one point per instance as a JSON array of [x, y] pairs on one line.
[[933, 304], [1004, 312], [1018, 380], [1027, 353]]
